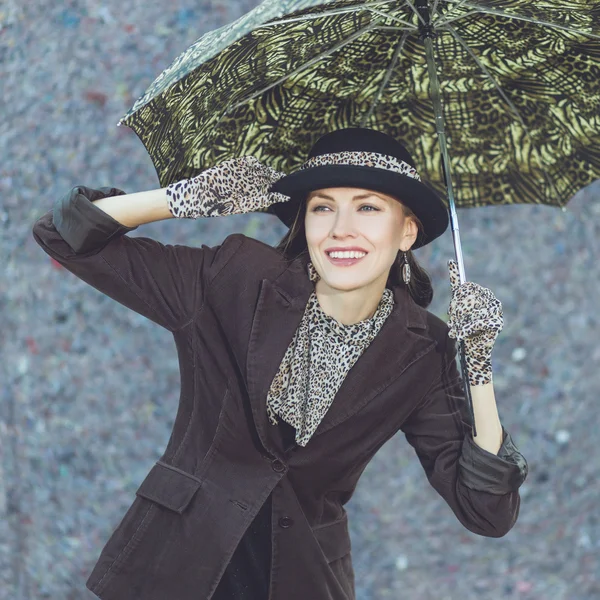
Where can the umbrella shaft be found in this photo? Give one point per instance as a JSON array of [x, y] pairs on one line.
[[434, 87]]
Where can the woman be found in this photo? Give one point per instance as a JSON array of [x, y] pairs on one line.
[[297, 364]]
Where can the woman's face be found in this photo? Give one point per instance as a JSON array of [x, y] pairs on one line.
[[353, 217]]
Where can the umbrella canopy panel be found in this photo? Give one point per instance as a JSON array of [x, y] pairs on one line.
[[520, 85]]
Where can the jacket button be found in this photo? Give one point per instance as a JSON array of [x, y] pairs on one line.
[[278, 466], [286, 522]]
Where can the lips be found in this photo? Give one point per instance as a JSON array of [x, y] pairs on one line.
[[343, 262], [348, 249]]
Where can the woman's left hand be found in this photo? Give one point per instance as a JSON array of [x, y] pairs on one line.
[[474, 316]]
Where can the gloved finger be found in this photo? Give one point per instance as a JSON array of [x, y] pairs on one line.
[[480, 327], [477, 328], [454, 275], [275, 197], [453, 333], [472, 298], [257, 174]]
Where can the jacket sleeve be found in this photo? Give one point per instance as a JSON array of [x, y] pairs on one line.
[[164, 283], [481, 488]]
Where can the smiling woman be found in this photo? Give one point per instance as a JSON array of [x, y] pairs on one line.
[[370, 210], [297, 365]]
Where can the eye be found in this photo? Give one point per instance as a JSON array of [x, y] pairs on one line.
[[316, 208]]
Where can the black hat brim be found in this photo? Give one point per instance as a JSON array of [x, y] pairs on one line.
[[423, 201]]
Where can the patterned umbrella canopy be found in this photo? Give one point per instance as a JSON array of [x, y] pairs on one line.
[[519, 83], [498, 101]]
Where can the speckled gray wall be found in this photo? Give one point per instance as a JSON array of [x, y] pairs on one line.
[[89, 389]]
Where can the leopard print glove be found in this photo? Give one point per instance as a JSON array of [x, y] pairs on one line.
[[235, 186], [475, 316]]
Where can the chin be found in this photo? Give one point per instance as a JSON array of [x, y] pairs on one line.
[[347, 283]]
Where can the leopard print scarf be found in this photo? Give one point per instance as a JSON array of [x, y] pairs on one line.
[[316, 362]]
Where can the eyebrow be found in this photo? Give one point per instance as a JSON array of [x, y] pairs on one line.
[[357, 197]]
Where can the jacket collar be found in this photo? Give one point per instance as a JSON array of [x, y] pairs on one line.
[[282, 300]]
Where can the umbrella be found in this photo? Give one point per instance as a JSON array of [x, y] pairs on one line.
[[498, 101]]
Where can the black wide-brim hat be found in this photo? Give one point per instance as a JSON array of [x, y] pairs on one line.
[[363, 158]]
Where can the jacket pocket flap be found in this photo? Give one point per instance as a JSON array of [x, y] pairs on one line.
[[169, 486], [334, 539]]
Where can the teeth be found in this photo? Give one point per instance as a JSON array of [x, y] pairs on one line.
[[350, 254]]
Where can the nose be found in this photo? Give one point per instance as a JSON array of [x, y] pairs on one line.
[[343, 224]]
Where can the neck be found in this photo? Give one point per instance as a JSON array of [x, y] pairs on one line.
[[349, 306]]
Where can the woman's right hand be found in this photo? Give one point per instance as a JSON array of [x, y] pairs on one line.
[[235, 186]]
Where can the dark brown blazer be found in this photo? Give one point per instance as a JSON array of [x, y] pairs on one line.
[[233, 310]]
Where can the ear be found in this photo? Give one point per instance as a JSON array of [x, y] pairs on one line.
[[411, 231]]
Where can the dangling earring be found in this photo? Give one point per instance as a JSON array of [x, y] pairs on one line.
[[406, 270]]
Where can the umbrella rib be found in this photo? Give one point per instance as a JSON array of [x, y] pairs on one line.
[[500, 13], [416, 12], [388, 16], [441, 19], [489, 75], [369, 27], [442, 22], [339, 11], [391, 28], [386, 78]]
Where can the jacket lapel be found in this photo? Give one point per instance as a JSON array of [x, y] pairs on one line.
[[278, 313], [281, 304]]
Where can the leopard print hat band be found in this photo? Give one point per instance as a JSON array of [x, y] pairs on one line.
[[363, 159]]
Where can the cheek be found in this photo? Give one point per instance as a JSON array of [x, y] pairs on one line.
[[315, 230], [380, 233]]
